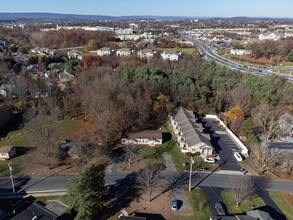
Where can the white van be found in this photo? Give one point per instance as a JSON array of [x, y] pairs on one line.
[[238, 156]]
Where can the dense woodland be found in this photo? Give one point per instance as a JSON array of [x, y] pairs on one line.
[[54, 39]]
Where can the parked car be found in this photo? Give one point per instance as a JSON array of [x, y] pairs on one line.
[[234, 149], [174, 205], [220, 208], [209, 160], [244, 171], [238, 156]]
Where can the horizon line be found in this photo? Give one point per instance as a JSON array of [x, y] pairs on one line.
[[145, 15]]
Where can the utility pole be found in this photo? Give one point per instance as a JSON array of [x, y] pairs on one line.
[[11, 177], [190, 172]]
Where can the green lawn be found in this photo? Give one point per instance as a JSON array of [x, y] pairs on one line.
[[189, 51], [197, 197], [64, 129], [153, 154], [283, 204], [244, 207], [179, 158], [16, 164]]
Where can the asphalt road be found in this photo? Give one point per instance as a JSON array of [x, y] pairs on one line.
[[58, 183], [208, 53]]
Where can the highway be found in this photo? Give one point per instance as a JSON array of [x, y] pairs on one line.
[[209, 54], [28, 185]]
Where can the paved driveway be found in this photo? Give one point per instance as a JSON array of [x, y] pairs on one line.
[[271, 207], [213, 195], [221, 142]]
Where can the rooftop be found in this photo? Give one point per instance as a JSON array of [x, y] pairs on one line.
[[5, 149], [146, 134], [192, 131]]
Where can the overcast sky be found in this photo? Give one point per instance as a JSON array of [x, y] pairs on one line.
[[214, 8]]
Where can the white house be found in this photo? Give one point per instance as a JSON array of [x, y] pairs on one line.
[[189, 133], [124, 52], [125, 31], [146, 54], [74, 54], [172, 56], [240, 52], [269, 36], [147, 137], [7, 152], [105, 51], [43, 51]]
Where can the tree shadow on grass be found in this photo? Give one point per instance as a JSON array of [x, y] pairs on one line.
[[120, 195], [155, 155]]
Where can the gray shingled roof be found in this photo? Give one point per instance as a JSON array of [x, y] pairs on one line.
[[190, 129]]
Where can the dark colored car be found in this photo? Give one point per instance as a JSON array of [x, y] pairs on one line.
[[220, 208]]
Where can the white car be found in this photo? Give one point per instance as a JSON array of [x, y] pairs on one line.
[[209, 160], [238, 156]]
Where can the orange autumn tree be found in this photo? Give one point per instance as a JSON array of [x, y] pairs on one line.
[[235, 117]]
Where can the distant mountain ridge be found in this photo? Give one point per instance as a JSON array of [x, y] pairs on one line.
[[35, 15], [56, 16]]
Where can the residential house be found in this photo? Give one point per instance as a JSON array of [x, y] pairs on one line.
[[74, 54], [269, 36], [43, 51], [172, 56], [146, 54], [146, 137], [251, 215], [6, 114], [128, 37], [7, 152], [190, 135], [240, 52], [34, 211], [124, 52], [126, 31], [286, 124], [105, 51]]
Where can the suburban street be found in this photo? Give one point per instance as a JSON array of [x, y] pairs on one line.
[[209, 54], [58, 183]]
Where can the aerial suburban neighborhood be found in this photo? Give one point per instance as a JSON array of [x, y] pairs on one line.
[[146, 117]]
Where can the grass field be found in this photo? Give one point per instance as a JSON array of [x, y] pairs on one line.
[[189, 51], [197, 197], [246, 206], [65, 129], [283, 204]]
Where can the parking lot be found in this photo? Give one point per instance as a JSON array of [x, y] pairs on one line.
[[222, 144]]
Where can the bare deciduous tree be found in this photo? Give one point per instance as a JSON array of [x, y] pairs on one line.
[[267, 120], [264, 158], [243, 188], [287, 163], [131, 151], [42, 137], [148, 179]]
